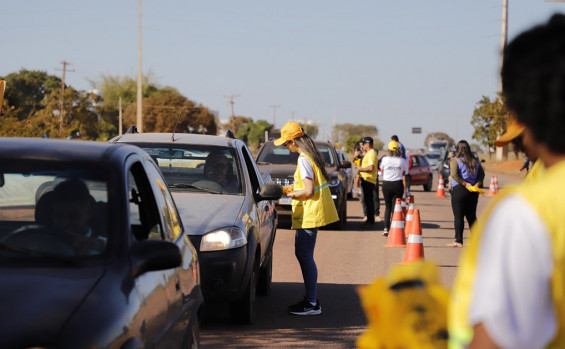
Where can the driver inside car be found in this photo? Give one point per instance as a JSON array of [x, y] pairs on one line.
[[218, 168]]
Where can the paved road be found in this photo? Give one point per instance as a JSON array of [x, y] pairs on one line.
[[345, 259]]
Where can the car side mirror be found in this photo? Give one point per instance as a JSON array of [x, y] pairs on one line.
[[345, 164], [271, 191], [152, 255]]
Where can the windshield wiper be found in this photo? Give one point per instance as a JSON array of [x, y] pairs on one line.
[[192, 186], [31, 252]]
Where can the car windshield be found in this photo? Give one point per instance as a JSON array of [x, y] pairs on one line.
[[197, 168], [435, 156], [271, 154], [53, 210]]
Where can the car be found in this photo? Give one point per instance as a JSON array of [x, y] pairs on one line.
[[433, 158], [280, 164], [228, 212], [94, 253], [350, 177], [444, 166], [420, 171]]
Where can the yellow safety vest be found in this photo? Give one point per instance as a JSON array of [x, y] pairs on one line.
[[547, 196], [317, 210]]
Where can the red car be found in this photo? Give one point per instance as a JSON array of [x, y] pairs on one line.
[[420, 171]]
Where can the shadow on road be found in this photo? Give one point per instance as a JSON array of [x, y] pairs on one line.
[[341, 322]]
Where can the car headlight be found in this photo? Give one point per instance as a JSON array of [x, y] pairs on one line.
[[334, 181], [223, 239]]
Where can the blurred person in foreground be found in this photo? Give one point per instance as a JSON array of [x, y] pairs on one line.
[[369, 182], [465, 172], [509, 291], [312, 207]]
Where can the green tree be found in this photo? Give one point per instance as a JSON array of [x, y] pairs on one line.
[[237, 122], [162, 109], [489, 120], [341, 131], [351, 143], [253, 133]]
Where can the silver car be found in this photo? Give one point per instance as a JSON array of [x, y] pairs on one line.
[[227, 210]]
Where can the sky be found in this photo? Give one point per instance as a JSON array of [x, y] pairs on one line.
[[392, 64]]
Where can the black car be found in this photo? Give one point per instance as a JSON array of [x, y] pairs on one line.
[[280, 163], [227, 210], [93, 250]]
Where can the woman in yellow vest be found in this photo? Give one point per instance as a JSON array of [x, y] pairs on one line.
[[509, 291], [312, 207]]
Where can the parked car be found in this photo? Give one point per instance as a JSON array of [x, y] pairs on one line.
[[227, 209], [433, 158], [280, 164], [444, 167], [350, 177], [420, 171], [94, 253]]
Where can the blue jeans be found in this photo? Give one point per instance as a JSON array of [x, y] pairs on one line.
[[304, 243]]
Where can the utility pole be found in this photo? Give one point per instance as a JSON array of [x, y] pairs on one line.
[[274, 114], [120, 127], [502, 152], [232, 114], [61, 100], [139, 76]]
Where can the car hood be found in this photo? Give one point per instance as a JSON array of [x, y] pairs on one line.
[[202, 213], [37, 303]]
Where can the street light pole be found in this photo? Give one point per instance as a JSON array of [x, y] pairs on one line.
[[139, 76]]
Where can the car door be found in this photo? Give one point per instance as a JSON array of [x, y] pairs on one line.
[[183, 301], [154, 288]]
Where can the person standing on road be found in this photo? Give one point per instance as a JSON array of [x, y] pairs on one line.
[[509, 291], [312, 207], [358, 156], [369, 182], [466, 171], [394, 168], [408, 181]]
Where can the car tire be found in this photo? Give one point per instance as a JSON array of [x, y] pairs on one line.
[[242, 311], [429, 183], [266, 276]]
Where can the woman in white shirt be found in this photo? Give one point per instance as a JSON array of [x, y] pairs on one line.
[[394, 168]]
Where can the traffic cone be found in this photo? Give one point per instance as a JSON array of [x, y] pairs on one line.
[[495, 184], [409, 217], [491, 188], [403, 206], [415, 246], [440, 193], [396, 234]]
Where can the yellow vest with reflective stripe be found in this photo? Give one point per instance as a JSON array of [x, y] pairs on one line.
[[317, 210], [547, 196]]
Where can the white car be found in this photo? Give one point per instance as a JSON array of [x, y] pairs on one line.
[[434, 158]]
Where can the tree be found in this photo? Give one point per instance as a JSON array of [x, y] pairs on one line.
[[311, 130], [237, 121], [253, 133], [439, 136], [162, 109], [341, 131], [489, 119]]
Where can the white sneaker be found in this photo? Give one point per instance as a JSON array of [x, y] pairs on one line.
[[385, 232]]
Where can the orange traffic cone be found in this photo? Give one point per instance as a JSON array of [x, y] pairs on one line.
[[409, 217], [415, 246], [491, 188], [396, 234], [403, 205], [440, 193], [495, 184]]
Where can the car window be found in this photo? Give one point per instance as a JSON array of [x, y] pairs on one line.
[[54, 209], [415, 162], [254, 176], [423, 161], [195, 167], [145, 223], [280, 155]]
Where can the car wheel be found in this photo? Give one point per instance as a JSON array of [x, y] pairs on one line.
[[266, 276], [243, 310], [429, 183], [343, 216]]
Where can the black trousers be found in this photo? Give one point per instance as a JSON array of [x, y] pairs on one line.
[[368, 191], [464, 205], [392, 190], [376, 202]]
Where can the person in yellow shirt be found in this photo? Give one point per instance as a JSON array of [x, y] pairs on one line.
[[509, 291], [312, 207], [368, 173]]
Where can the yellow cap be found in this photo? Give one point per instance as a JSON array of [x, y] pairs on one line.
[[393, 145], [513, 130], [289, 131]]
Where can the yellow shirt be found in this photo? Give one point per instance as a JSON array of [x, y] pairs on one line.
[[370, 158]]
